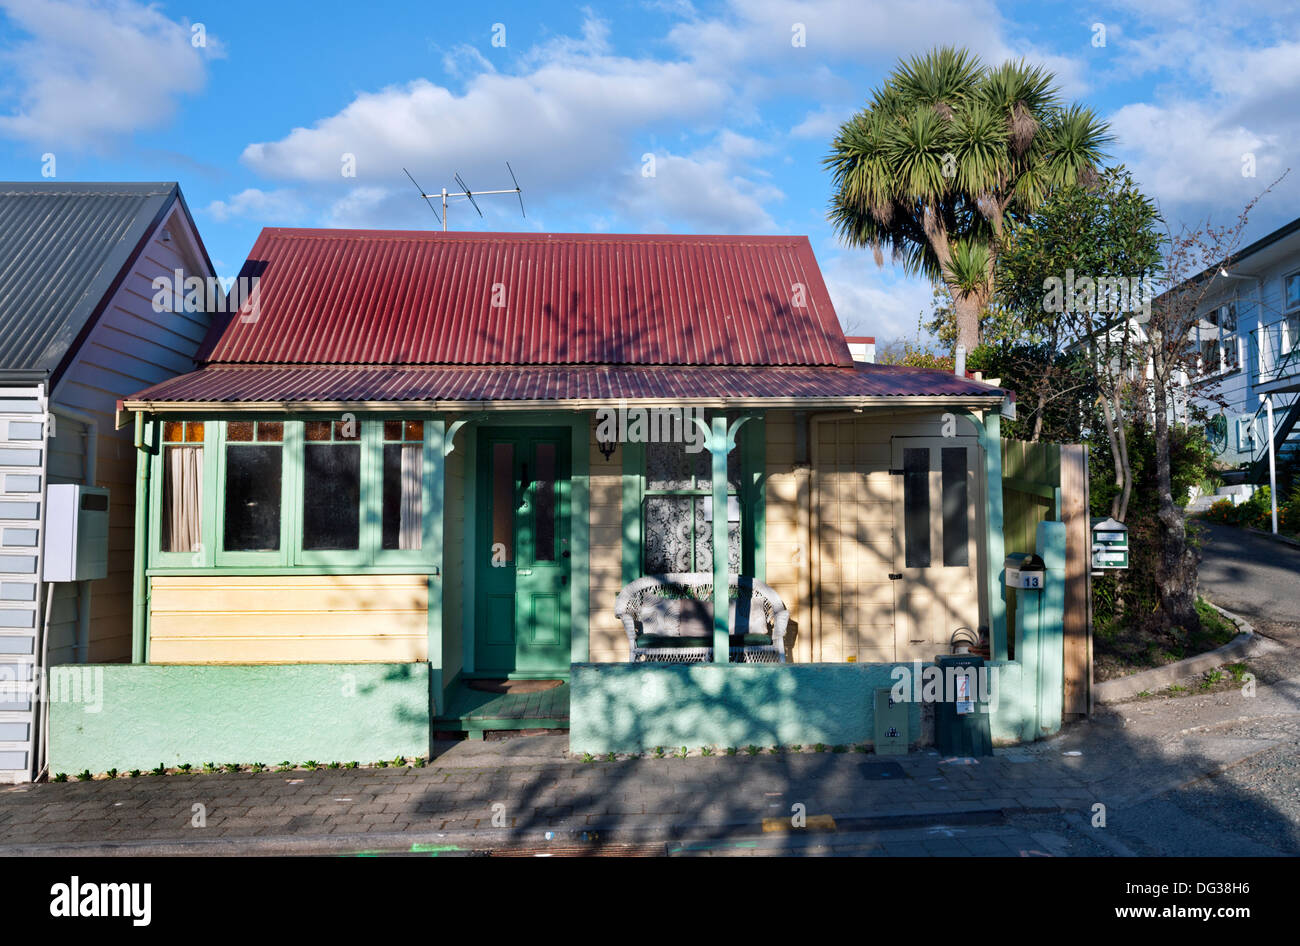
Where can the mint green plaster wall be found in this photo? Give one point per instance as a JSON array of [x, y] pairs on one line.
[[135, 716], [636, 707]]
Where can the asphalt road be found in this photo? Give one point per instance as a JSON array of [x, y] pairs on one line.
[[1254, 576]]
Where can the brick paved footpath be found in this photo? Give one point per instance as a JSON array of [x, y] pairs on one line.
[[492, 805], [528, 791]]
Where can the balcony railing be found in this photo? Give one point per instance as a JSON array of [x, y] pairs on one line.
[[1275, 350]]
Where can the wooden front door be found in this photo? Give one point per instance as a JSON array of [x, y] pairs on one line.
[[936, 553], [522, 622]]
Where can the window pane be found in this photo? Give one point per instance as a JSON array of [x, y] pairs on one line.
[[916, 507], [704, 538], [544, 504], [331, 497], [955, 527], [392, 430], [669, 466], [252, 518], [1293, 291], [270, 431], [414, 430], [182, 498], [173, 431], [316, 430], [667, 539], [503, 501], [347, 430], [194, 431], [240, 431], [402, 495]]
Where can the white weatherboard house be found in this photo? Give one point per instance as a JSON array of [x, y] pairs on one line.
[[1248, 338], [79, 329]]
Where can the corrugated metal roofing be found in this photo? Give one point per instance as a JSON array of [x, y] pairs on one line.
[[415, 297], [62, 248], [279, 384]]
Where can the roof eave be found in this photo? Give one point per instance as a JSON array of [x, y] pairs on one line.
[[990, 400]]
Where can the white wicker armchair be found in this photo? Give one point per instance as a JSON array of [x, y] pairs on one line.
[[670, 618]]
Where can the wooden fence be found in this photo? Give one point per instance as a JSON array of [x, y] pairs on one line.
[[1049, 482]]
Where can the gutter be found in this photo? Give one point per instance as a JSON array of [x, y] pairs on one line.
[[991, 400]]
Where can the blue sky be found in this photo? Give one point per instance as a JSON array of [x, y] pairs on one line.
[[253, 106]]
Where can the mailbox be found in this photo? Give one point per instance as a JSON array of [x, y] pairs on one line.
[[1109, 544], [1024, 571]]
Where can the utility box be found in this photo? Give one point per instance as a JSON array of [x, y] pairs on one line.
[[890, 724], [1109, 544], [1024, 571], [76, 532], [961, 721]]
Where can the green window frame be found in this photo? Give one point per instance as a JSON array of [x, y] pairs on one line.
[[290, 445], [373, 499], [202, 556], [370, 553]]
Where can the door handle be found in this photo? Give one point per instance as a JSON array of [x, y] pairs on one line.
[[564, 580]]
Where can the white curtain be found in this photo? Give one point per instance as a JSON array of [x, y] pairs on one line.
[[184, 501], [410, 525]]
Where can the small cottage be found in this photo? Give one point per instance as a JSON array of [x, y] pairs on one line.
[[633, 485]]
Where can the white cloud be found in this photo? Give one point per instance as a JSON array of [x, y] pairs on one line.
[[269, 208], [569, 119], [1189, 154], [823, 123], [92, 70], [367, 207], [765, 30], [871, 300], [577, 122], [703, 189]]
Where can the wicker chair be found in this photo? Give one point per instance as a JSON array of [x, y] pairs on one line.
[[670, 618]]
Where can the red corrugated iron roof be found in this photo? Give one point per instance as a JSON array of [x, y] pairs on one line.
[[416, 297], [278, 384]]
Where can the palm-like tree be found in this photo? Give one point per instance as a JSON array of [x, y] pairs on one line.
[[946, 154]]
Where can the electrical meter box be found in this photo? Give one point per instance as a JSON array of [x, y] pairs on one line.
[[1109, 544], [890, 724], [1024, 571], [76, 532]]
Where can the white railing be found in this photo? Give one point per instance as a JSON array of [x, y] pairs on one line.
[[1275, 350]]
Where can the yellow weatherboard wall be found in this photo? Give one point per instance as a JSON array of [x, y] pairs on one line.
[[288, 619], [607, 640]]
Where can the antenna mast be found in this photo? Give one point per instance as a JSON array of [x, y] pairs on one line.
[[469, 195]]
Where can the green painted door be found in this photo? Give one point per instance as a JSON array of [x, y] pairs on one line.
[[522, 593]]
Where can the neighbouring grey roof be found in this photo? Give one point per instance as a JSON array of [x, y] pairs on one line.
[[63, 247]]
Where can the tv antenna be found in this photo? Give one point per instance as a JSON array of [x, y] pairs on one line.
[[468, 195]]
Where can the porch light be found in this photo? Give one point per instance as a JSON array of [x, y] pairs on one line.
[[606, 447]]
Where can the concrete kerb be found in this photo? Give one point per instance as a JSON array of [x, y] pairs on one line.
[[1284, 539], [1246, 644]]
